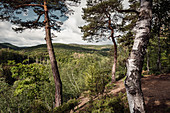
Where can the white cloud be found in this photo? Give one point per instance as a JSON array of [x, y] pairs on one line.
[[70, 33], [126, 4], [27, 38]]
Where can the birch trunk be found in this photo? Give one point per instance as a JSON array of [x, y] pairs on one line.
[[55, 71], [136, 58]]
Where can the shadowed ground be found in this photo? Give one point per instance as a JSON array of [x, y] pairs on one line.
[[156, 90]]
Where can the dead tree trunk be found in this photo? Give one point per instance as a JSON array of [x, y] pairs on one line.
[[55, 71], [136, 58]]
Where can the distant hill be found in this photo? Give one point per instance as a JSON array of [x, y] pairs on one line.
[[74, 47], [8, 45]]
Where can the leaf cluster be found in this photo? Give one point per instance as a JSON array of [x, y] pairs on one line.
[[30, 77]]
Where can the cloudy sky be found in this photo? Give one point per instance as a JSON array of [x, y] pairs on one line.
[[70, 33]]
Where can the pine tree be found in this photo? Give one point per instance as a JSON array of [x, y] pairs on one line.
[[130, 18], [41, 8], [161, 24], [103, 21]]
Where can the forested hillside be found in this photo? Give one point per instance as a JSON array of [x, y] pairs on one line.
[[21, 69], [63, 78], [26, 76]]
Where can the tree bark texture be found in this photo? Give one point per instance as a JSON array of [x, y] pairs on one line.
[[136, 58], [115, 61], [55, 71], [148, 64], [159, 51], [115, 49]]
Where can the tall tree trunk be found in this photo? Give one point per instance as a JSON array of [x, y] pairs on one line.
[[159, 51], [28, 59], [115, 60], [148, 61], [115, 49], [136, 58], [37, 60], [55, 71]]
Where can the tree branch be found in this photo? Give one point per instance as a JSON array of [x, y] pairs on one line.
[[33, 5], [38, 17], [128, 11]]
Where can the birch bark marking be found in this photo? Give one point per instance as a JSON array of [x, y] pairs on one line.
[[55, 71], [136, 58]]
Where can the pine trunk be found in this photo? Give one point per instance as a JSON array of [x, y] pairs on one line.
[[148, 64], [55, 71], [136, 58], [115, 61], [159, 52]]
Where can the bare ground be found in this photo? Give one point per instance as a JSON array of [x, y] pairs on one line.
[[156, 90]]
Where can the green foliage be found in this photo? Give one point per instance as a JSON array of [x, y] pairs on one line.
[[73, 73], [123, 53], [30, 77], [13, 14], [4, 87], [99, 16], [6, 74], [78, 64], [37, 106], [8, 45], [7, 54], [66, 107], [129, 22], [96, 77], [153, 56], [110, 86], [117, 104]]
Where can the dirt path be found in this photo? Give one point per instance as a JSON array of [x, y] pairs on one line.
[[84, 100], [156, 90], [119, 87]]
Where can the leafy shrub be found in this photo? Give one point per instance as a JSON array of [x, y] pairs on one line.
[[96, 79], [111, 104], [37, 107], [66, 107], [120, 74], [110, 86]]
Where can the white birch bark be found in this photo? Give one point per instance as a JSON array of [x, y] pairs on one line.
[[136, 58]]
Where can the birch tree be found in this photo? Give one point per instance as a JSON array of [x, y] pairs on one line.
[[136, 58]]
